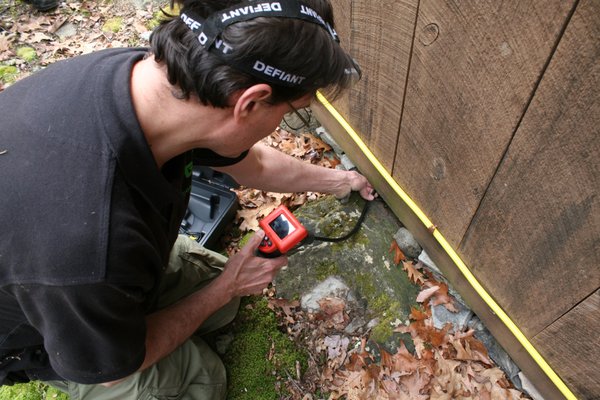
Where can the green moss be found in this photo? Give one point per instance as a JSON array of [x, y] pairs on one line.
[[384, 307], [326, 269], [52, 393], [388, 311], [31, 391], [8, 73], [337, 225], [358, 239], [384, 329], [364, 284], [245, 239], [27, 53], [260, 355], [113, 24], [159, 16]]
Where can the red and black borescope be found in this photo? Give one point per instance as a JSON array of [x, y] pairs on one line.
[[284, 233]]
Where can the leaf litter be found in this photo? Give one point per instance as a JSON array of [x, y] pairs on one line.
[[444, 364]]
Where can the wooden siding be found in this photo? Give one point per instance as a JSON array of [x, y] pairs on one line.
[[467, 91], [536, 237]]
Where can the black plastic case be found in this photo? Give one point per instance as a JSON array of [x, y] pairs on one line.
[[211, 207]]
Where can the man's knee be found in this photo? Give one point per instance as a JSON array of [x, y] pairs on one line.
[[192, 372], [195, 369]]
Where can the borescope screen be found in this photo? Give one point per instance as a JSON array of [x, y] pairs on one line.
[[282, 226]]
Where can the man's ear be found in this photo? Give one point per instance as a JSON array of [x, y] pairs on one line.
[[250, 98]]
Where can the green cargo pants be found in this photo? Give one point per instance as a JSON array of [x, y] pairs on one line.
[[193, 371]]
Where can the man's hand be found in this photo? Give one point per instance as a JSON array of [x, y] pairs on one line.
[[271, 170], [353, 181], [246, 273]]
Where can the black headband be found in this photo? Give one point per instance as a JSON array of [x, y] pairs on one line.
[[209, 30]]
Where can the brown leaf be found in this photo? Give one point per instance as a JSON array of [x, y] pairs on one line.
[[333, 162], [38, 37], [4, 43], [398, 254], [478, 350], [337, 347], [271, 351], [331, 305], [57, 24], [403, 360], [288, 307], [426, 293], [413, 273], [417, 385], [139, 27], [442, 297], [332, 310], [249, 219], [292, 147], [436, 337], [417, 315]]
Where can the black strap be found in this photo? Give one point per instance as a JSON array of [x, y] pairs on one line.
[[209, 30]]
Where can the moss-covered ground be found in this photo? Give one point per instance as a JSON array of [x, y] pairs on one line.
[[31, 391], [261, 357]]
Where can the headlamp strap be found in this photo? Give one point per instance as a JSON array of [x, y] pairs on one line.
[[209, 30], [250, 9]]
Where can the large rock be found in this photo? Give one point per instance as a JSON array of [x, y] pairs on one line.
[[330, 287], [407, 243], [363, 262]]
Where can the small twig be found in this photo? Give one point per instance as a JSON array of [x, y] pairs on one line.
[[298, 374], [294, 382]]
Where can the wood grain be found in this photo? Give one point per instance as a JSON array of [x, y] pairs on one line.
[[572, 345], [473, 71], [343, 25], [535, 241], [381, 38]]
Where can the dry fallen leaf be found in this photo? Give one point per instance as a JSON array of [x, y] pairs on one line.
[[5, 41], [398, 254], [426, 293], [441, 296], [413, 273]]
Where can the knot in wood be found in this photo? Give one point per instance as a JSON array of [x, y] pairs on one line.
[[429, 34]]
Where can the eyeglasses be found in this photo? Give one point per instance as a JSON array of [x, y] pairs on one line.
[[355, 72], [304, 114]]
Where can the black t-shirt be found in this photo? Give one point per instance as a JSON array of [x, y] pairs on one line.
[[87, 221]]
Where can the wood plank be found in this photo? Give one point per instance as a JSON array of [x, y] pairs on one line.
[[506, 339], [474, 67], [381, 38], [572, 345], [536, 236], [342, 10]]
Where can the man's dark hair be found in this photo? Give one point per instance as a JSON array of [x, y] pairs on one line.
[[293, 45]]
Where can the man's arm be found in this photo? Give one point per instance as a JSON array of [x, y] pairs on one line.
[[269, 169], [244, 274]]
